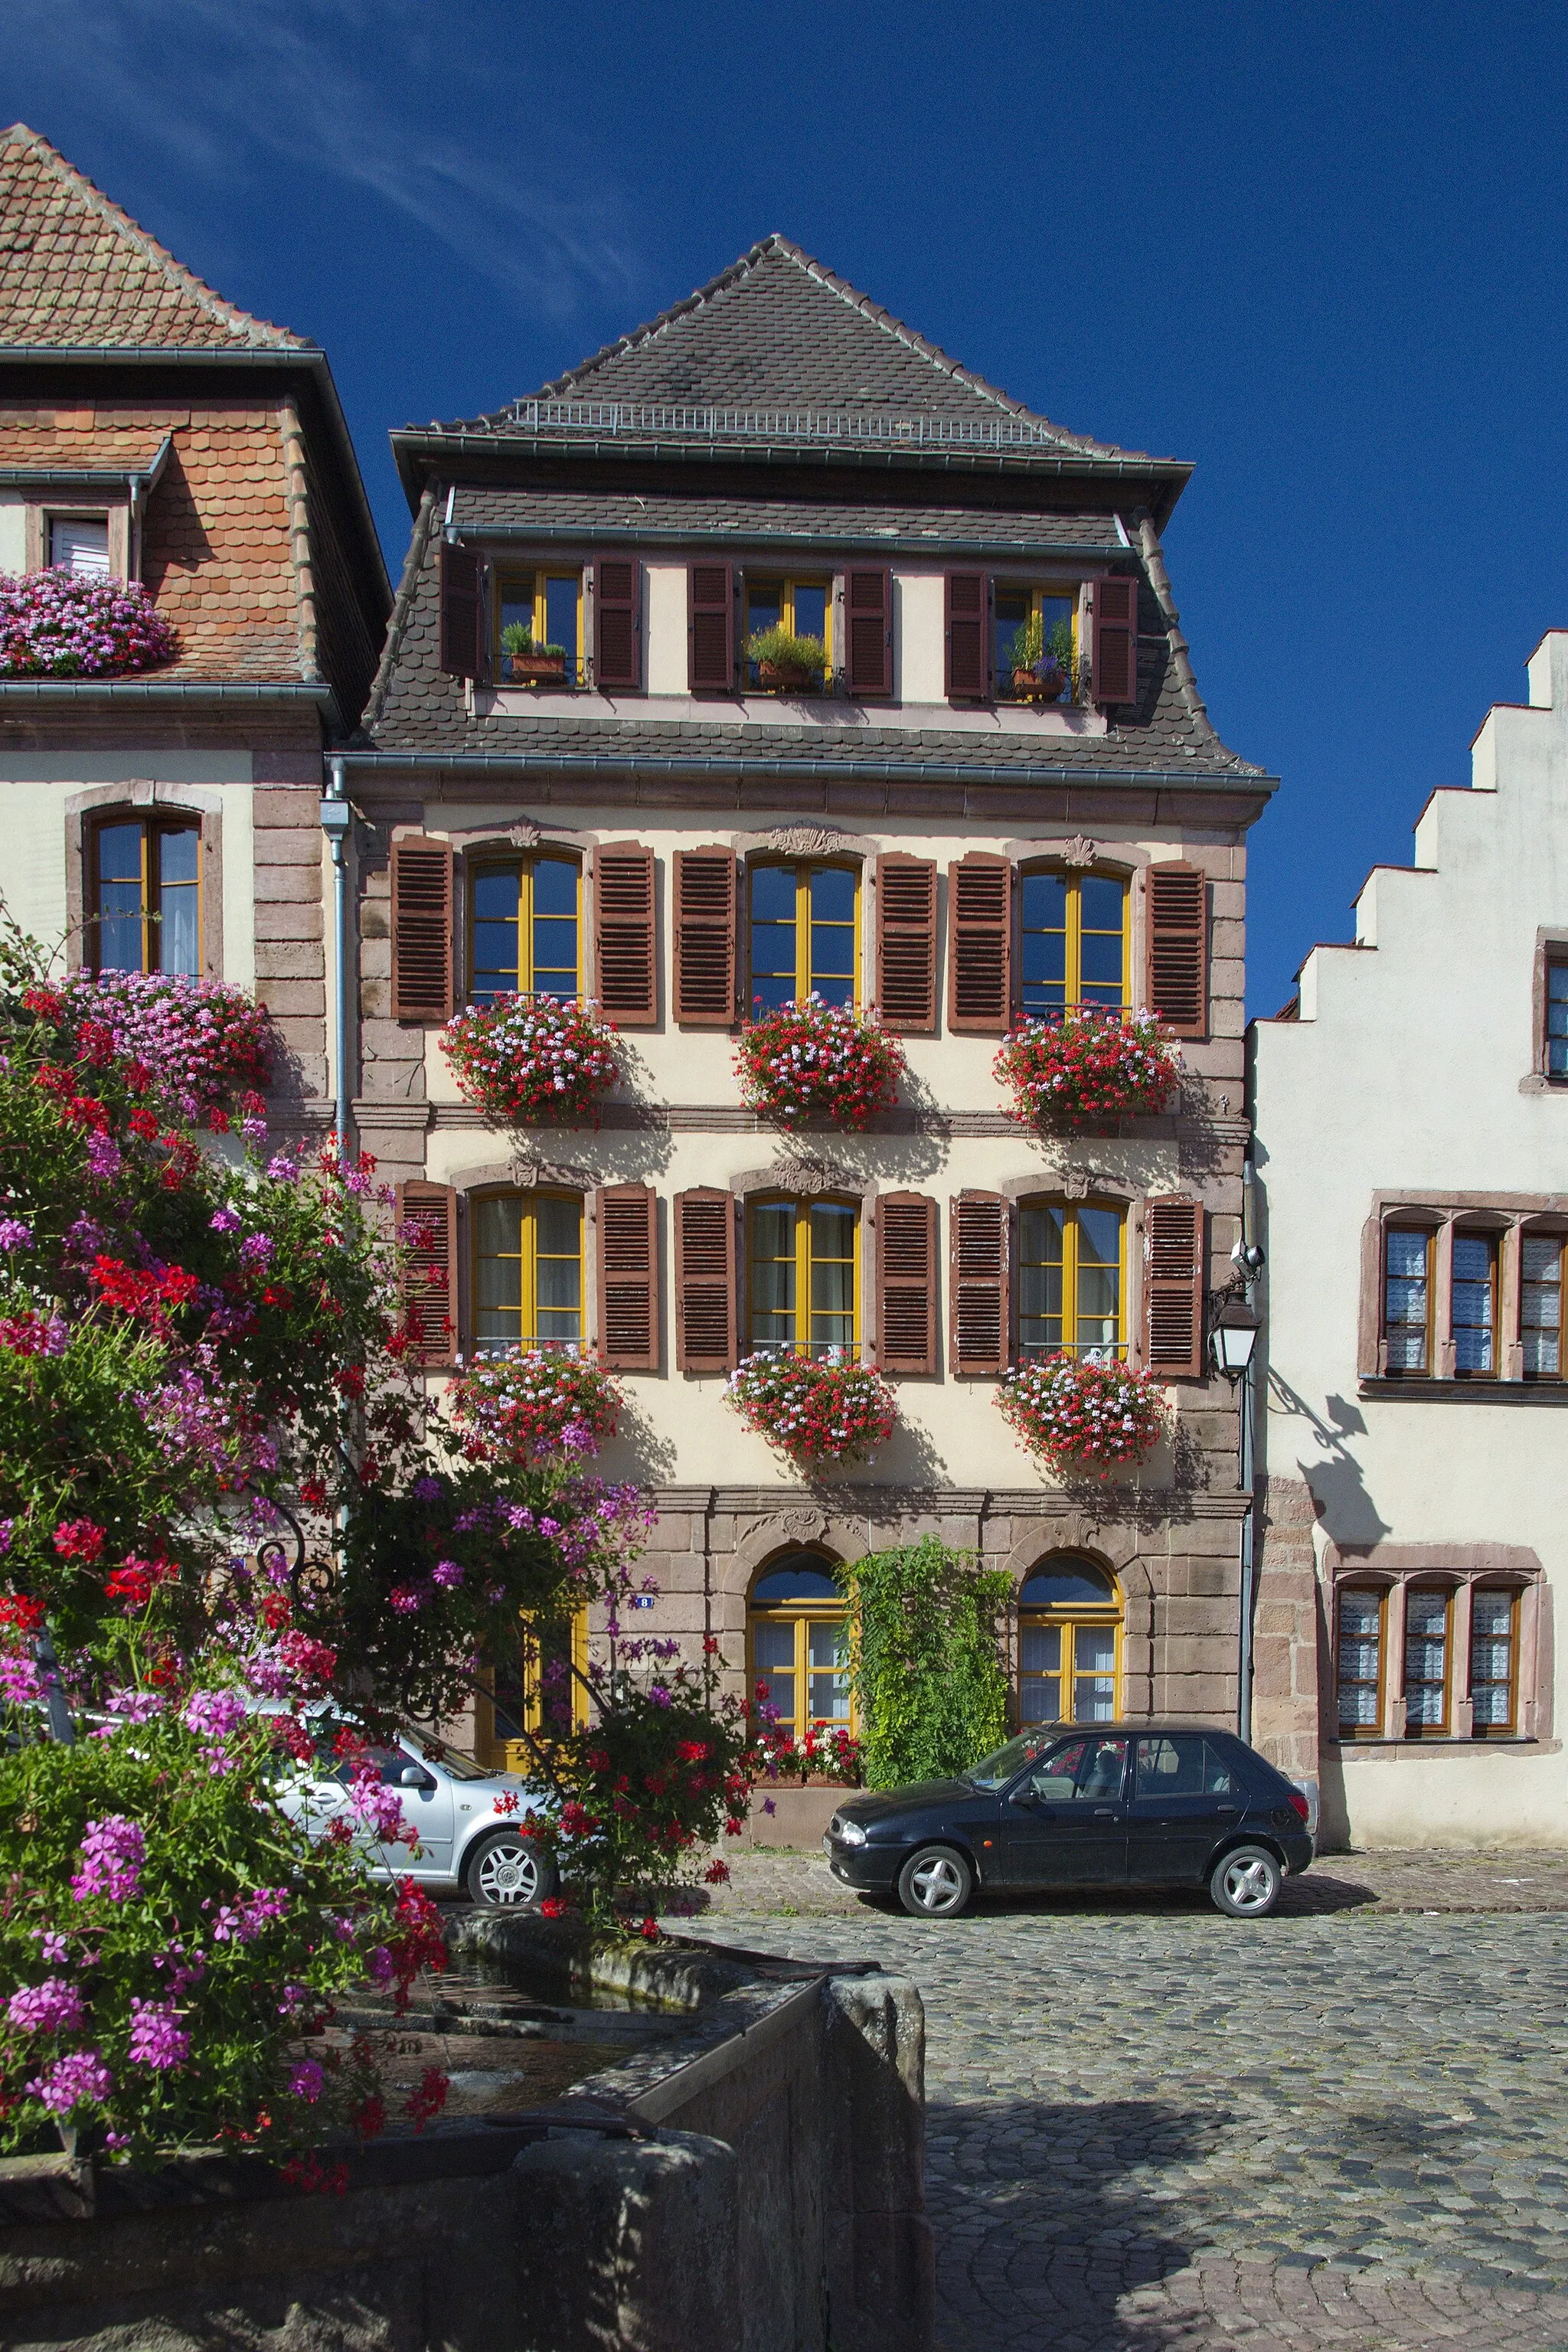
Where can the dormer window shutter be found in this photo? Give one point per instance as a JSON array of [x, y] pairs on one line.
[[980, 1308], [980, 944], [906, 943], [617, 622], [869, 628], [704, 930], [628, 1278], [710, 628], [906, 1282], [1178, 948], [624, 938], [705, 1281], [968, 636], [1116, 639], [1174, 1285], [427, 1222], [459, 575], [421, 929]]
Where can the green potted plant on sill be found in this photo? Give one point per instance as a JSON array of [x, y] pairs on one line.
[[529, 662], [787, 664], [1042, 667]]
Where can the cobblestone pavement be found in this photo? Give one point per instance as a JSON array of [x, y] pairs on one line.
[[1156, 2130]]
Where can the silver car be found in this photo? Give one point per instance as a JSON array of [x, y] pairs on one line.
[[468, 1822]]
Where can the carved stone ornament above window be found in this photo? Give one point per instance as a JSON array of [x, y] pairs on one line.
[[811, 1176], [528, 1175], [524, 835], [807, 840], [803, 1527], [1079, 851]]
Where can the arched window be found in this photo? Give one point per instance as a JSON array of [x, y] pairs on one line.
[[527, 1271], [796, 1640], [146, 897], [525, 930], [1072, 1285], [803, 1262], [1069, 1643]]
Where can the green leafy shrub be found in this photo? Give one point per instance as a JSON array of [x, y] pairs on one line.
[[925, 1659], [517, 639], [781, 647]]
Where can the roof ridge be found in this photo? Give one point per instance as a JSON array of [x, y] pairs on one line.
[[245, 324]]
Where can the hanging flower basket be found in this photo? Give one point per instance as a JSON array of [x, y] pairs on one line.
[[1085, 1413], [58, 624], [1089, 1064], [824, 1756], [815, 1409], [203, 1043], [819, 1064], [520, 1407], [521, 1059]]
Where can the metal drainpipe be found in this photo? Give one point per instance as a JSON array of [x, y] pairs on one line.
[[336, 819], [1244, 1478]]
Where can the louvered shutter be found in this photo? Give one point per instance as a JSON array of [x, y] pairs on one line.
[[628, 1278], [459, 611], [427, 1221], [421, 929], [1178, 909], [968, 647], [906, 943], [869, 628], [906, 1282], [710, 628], [624, 933], [705, 938], [1116, 639], [980, 943], [979, 1340], [1173, 1285], [704, 1281], [617, 622]]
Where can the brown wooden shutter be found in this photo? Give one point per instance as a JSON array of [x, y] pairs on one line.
[[869, 628], [617, 621], [980, 1338], [459, 568], [628, 1278], [1177, 909], [980, 943], [704, 1281], [906, 1282], [427, 1220], [421, 929], [968, 636], [705, 938], [1173, 1285], [624, 938], [1116, 639], [710, 628], [906, 943]]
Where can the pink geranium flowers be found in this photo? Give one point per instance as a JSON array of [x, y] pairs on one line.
[[520, 1059], [1088, 1063], [818, 1064], [60, 623], [815, 1409], [1088, 1413]]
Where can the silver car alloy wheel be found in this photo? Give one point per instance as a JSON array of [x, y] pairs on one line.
[[509, 1871], [1249, 1884], [938, 1884]]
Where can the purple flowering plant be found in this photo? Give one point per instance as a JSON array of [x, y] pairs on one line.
[[60, 624]]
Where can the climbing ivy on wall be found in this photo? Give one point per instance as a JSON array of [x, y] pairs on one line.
[[926, 1655]]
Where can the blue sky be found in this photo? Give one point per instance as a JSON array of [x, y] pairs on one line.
[[1319, 251]]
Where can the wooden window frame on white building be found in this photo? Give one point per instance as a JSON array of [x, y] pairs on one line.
[[1392, 1571], [1508, 1219]]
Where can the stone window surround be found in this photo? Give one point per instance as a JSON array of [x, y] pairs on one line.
[[95, 505], [1550, 947], [141, 797], [482, 843], [1392, 1569], [1505, 1214], [527, 1176]]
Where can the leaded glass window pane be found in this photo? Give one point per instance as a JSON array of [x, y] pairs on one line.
[[1474, 1301], [1557, 1020], [1040, 1663], [1426, 1661], [1492, 1660], [1360, 1660], [1540, 1306], [1406, 1300]]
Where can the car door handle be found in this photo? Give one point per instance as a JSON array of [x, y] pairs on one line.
[[1105, 1812], [1226, 1813]]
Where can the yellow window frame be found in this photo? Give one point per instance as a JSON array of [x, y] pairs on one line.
[[786, 591], [1071, 1619], [803, 871], [801, 1615], [151, 830], [523, 868], [529, 587], [507, 1751], [1037, 591], [528, 1265], [1072, 1259], [1073, 964], [803, 1262]]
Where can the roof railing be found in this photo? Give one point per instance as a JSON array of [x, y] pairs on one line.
[[645, 416]]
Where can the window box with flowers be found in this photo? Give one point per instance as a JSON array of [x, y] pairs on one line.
[[825, 1756], [815, 1064], [544, 1400], [60, 624], [787, 664], [528, 662], [1089, 1063], [524, 1059], [203, 1044], [815, 1409], [1086, 1413], [1042, 660]]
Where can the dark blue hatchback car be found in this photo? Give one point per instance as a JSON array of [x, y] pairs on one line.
[[1107, 1805]]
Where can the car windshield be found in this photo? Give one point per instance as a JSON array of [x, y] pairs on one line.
[[455, 1766], [994, 1771]]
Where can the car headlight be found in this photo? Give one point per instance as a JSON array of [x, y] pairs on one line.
[[850, 1833]]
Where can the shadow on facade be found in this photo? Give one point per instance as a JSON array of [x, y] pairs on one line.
[[1334, 1479]]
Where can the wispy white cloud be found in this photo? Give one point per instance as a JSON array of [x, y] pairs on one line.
[[356, 93]]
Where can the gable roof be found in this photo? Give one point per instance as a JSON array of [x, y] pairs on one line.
[[77, 273]]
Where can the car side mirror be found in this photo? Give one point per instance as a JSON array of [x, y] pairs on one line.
[[1026, 1796], [414, 1776]]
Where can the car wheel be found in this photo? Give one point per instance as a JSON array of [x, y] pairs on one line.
[[935, 1882], [1245, 1884], [508, 1869]]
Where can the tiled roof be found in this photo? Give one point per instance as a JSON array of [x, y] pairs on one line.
[[779, 346], [216, 556], [691, 519], [77, 273], [45, 442]]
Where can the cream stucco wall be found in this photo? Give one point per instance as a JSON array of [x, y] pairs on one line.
[[1410, 1069]]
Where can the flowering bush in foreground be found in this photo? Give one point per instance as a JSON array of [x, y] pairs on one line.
[[523, 1405], [1089, 1064], [525, 1058], [813, 1062], [60, 623], [205, 1045], [815, 1409], [1088, 1413]]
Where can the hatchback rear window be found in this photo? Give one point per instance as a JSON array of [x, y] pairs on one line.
[[1184, 1764]]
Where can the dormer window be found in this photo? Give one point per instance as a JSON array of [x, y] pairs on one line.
[[787, 624], [80, 543], [1031, 629], [539, 624]]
